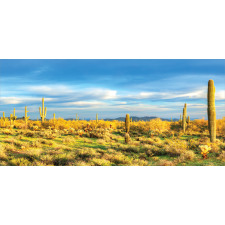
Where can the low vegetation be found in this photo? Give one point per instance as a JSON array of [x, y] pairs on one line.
[[58, 142]]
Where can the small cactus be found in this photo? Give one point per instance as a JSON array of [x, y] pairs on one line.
[[43, 111], [211, 111], [54, 118], [188, 119], [26, 118], [13, 118]]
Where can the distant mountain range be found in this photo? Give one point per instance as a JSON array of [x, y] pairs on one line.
[[145, 118], [134, 118]]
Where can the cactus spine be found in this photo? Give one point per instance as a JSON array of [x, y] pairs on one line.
[[43, 111], [211, 111], [26, 118], [13, 117], [184, 124], [97, 118]]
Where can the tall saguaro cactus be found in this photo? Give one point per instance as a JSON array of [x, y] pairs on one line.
[[26, 118], [127, 123], [211, 111], [184, 123], [43, 111], [127, 128]]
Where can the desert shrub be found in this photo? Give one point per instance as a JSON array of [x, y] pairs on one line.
[[36, 144], [164, 162], [129, 148], [20, 162], [100, 162], [186, 156], [176, 148], [10, 147], [3, 155], [8, 132], [222, 156], [61, 160], [87, 154], [68, 140]]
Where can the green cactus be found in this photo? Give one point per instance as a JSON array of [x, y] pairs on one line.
[[211, 111], [184, 123], [4, 119], [188, 119], [13, 118], [127, 123], [26, 118], [54, 118], [43, 111], [127, 127], [97, 118]]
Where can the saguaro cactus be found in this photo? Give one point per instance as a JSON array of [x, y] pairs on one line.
[[4, 119], [211, 111], [13, 117], [26, 118], [43, 111], [188, 120], [127, 128], [96, 117], [127, 123], [54, 118], [184, 124]]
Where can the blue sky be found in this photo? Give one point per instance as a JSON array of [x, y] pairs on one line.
[[111, 88]]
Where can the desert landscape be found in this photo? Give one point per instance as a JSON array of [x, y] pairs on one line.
[[157, 142]]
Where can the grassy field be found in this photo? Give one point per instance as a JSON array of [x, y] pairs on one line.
[[104, 145]]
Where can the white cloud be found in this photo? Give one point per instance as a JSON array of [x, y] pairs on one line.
[[220, 95], [19, 100], [84, 103], [51, 89]]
